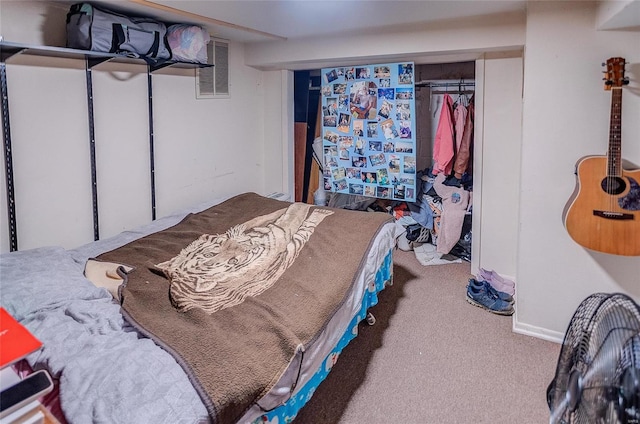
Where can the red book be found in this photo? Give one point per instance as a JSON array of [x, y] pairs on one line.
[[16, 341]]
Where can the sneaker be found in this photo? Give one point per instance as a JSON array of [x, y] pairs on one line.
[[496, 293], [497, 281], [482, 298]]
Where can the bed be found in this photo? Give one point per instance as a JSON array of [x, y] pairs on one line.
[[148, 326]]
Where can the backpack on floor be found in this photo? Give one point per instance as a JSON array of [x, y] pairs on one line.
[[97, 29]]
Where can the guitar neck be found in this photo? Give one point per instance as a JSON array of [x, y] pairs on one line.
[[614, 162]]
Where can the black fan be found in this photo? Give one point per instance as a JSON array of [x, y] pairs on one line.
[[597, 378]]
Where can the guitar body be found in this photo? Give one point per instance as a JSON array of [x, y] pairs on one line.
[[604, 213]]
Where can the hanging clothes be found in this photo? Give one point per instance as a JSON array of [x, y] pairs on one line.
[[459, 118], [462, 162], [443, 145]]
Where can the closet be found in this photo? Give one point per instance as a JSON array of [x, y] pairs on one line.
[[432, 83], [447, 200]]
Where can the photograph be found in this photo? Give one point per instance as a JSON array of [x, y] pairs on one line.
[[330, 151], [345, 121], [363, 99], [385, 82], [330, 162], [385, 109], [383, 176], [394, 163], [404, 93], [378, 159], [405, 129], [369, 177], [349, 74], [403, 110], [383, 192], [331, 137], [398, 192], [331, 76], [375, 146], [339, 88], [363, 73], [404, 146], [332, 106], [358, 127], [356, 189], [343, 102], [372, 129], [340, 185], [389, 129], [410, 181], [354, 173], [327, 184], [329, 120], [409, 193], [370, 190], [389, 147], [405, 73], [339, 173], [326, 90], [386, 93], [409, 165], [359, 161], [359, 147], [345, 141], [382, 71]]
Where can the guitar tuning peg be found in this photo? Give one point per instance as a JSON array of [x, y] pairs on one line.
[[625, 81]]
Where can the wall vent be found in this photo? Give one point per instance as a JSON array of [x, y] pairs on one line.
[[213, 82]]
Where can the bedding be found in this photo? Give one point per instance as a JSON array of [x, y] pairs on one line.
[[112, 369]]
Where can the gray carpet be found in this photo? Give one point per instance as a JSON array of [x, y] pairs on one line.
[[432, 357]]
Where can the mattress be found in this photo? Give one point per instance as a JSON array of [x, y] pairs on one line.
[[108, 371]]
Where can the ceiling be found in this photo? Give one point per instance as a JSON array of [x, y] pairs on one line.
[[252, 21], [269, 20]]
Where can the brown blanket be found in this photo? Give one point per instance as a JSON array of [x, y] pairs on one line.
[[236, 352]]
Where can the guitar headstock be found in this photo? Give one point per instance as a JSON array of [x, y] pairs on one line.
[[614, 75]]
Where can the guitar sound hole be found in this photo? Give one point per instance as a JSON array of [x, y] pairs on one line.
[[613, 185]]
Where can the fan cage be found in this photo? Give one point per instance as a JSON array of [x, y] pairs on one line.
[[596, 378]]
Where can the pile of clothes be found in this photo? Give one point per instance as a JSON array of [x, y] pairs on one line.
[[441, 218]]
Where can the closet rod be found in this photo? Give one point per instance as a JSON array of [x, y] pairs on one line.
[[456, 91], [430, 84]]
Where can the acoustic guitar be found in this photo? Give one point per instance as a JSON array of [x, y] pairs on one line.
[[604, 212]]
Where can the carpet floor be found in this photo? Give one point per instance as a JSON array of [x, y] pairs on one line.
[[432, 357]]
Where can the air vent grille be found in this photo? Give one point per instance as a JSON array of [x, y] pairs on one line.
[[213, 82]]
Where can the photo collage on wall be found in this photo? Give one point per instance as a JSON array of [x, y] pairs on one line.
[[368, 131]]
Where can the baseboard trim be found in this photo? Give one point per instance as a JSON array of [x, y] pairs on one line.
[[538, 332]]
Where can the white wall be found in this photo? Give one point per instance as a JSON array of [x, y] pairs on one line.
[[497, 164], [435, 42], [203, 148], [566, 116]]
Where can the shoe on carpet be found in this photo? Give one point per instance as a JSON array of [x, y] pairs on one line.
[[496, 293], [497, 281], [482, 298]]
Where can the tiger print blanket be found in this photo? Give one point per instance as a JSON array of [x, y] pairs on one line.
[[292, 266]]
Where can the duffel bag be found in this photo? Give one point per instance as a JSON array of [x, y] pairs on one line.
[[97, 29]]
